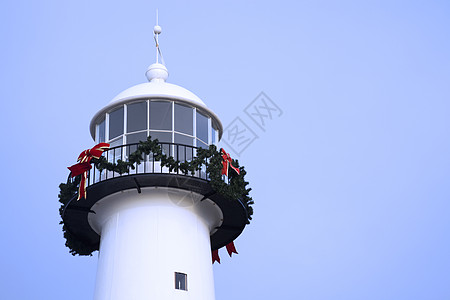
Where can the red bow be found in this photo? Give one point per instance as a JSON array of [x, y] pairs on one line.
[[84, 165], [227, 163], [230, 249]]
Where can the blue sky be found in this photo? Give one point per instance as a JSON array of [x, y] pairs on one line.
[[351, 182]]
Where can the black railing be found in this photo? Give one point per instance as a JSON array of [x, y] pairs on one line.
[[149, 164]]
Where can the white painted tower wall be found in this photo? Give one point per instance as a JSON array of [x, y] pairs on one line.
[[147, 237]]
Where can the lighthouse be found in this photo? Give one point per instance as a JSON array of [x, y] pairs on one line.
[[155, 197]]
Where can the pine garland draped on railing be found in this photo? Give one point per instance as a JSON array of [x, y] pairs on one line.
[[235, 188]]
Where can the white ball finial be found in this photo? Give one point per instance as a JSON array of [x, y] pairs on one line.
[[157, 73], [157, 29]]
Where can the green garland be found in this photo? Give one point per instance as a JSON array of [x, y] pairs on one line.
[[236, 189]]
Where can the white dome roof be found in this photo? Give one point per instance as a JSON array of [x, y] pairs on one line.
[[156, 89]]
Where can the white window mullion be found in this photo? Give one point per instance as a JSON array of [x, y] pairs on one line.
[[209, 142], [173, 121], [125, 111], [148, 117], [97, 130], [107, 127], [173, 128], [194, 125], [124, 131]]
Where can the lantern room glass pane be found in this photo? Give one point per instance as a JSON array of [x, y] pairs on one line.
[[201, 144], [161, 115], [213, 136], [101, 132], [184, 119], [115, 153], [181, 152], [163, 137], [136, 137], [182, 139], [115, 123], [202, 127], [136, 116]]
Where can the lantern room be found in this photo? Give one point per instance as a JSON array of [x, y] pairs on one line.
[[165, 111]]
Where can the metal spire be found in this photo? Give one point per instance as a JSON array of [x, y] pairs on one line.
[[156, 32]]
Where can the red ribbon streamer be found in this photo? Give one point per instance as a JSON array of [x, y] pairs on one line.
[[215, 256], [231, 249], [227, 163], [84, 165]]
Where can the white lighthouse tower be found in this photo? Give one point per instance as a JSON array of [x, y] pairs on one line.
[[155, 227]]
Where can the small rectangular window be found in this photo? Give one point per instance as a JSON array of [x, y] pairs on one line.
[[180, 281]]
